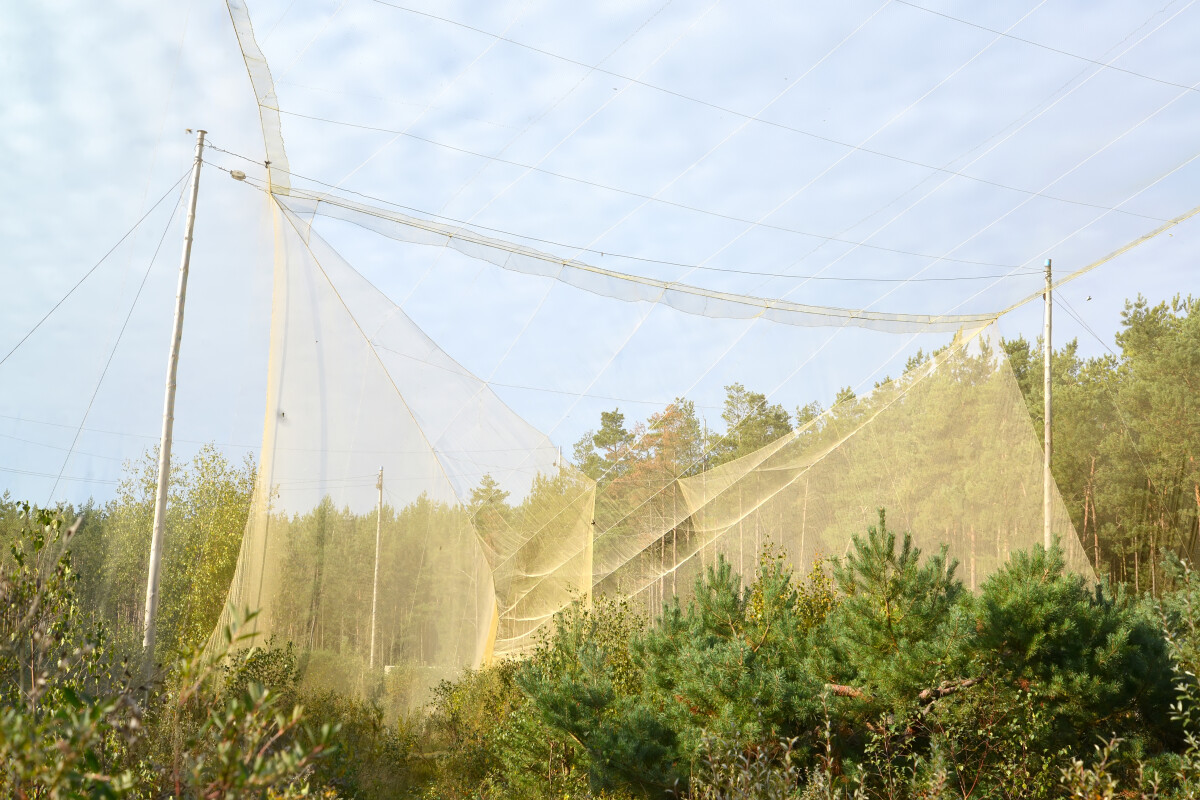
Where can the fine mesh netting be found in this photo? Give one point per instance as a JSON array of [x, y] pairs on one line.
[[486, 530], [610, 283], [969, 480], [550, 293]]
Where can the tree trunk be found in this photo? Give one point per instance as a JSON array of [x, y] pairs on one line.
[[973, 558], [1137, 580], [1090, 500]]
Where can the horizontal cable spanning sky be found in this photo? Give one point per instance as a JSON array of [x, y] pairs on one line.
[[913, 158]]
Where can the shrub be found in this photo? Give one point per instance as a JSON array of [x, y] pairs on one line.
[[77, 723]]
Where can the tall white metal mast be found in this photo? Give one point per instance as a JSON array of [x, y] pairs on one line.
[[164, 448], [1047, 477]]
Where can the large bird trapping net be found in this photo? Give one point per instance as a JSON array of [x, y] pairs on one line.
[[549, 299], [485, 531], [406, 517]]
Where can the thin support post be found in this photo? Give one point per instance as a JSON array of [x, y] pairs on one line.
[[375, 582], [164, 447], [1047, 477]]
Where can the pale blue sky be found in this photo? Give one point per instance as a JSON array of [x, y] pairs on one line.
[[97, 97]]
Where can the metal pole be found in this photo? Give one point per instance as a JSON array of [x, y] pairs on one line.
[[164, 447], [1047, 478], [375, 585]]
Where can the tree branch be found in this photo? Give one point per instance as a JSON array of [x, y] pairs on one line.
[[929, 696], [925, 697]]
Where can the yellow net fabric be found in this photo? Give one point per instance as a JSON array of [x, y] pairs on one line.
[[948, 450], [381, 449], [485, 531], [467, 566]]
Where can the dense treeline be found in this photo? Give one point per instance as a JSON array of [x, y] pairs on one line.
[[1126, 429], [208, 504], [81, 716], [877, 675], [324, 596], [883, 674]]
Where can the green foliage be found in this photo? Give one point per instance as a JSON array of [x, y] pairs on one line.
[[208, 505], [324, 591], [894, 631], [1127, 437], [67, 710], [599, 452], [76, 723], [882, 677], [877, 675], [580, 682], [726, 771], [1086, 654], [374, 755], [750, 423], [630, 707]]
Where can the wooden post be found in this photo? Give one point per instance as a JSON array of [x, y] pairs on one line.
[[375, 582], [1047, 477], [153, 576]]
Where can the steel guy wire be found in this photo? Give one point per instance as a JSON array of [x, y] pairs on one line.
[[113, 351], [1046, 47], [645, 259], [725, 109], [94, 267]]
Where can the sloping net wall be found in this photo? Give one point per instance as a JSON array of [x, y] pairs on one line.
[[485, 531], [947, 450]]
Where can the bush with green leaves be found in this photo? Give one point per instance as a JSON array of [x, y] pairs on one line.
[[76, 722], [883, 675], [877, 675]]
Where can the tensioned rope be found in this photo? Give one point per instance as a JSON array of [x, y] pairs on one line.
[[723, 304], [1046, 47], [533, 122], [297, 227], [1027, 199], [1119, 137], [116, 344], [683, 297], [93, 268], [992, 143], [928, 370], [733, 112], [499, 159], [264, 89], [983, 319], [610, 282], [943, 82], [890, 121], [1110, 256], [840, 238], [1112, 398], [570, 134], [444, 88]]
